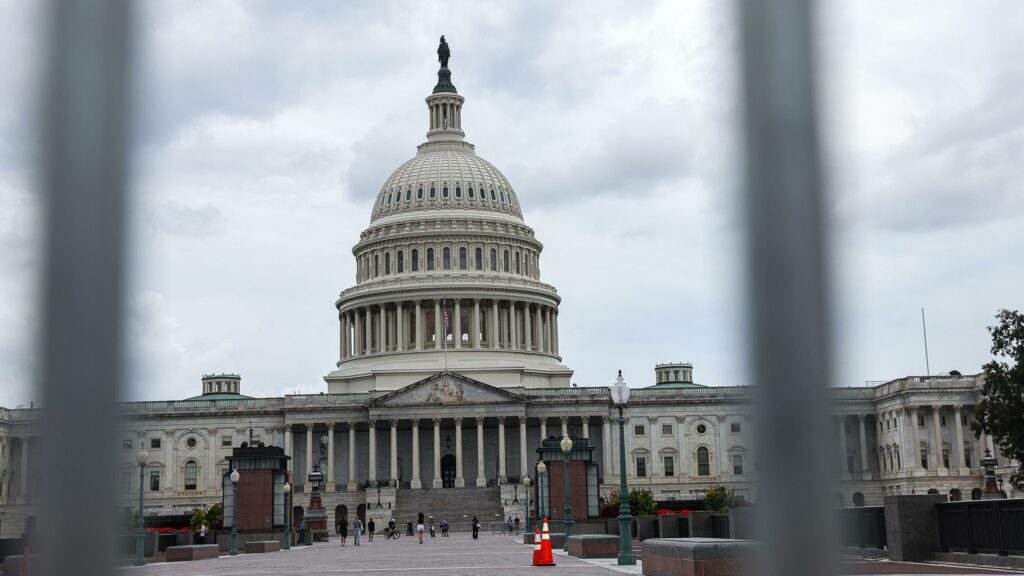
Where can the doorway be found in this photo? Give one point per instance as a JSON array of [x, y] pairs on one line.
[[448, 471]]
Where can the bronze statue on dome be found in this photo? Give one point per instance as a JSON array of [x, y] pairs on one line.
[[443, 53]]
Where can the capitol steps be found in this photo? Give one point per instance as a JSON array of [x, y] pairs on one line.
[[456, 505]]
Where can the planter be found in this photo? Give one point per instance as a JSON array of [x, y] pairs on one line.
[[648, 527], [612, 526], [700, 524], [742, 522], [720, 526], [668, 526]]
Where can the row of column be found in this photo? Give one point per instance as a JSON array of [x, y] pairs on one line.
[[416, 325], [7, 478], [716, 442]]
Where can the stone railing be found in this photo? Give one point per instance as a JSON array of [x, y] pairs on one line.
[[303, 400], [927, 383], [428, 280], [241, 404]]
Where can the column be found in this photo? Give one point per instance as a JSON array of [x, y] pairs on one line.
[[24, 466], [344, 331], [501, 448], [565, 425], [523, 457], [438, 325], [330, 454], [915, 451], [481, 478], [288, 448], [382, 330], [937, 419], [400, 328], [460, 481], [437, 453], [493, 325], [554, 331], [959, 436], [309, 455], [353, 472], [367, 330], [652, 424], [457, 324], [842, 444], [169, 465], [539, 323], [863, 447], [419, 326], [606, 449], [586, 426], [394, 451], [212, 480], [547, 329], [372, 475], [685, 462], [416, 483], [527, 327], [543, 428], [475, 324]]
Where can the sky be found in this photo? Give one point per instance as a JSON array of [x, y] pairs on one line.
[[263, 131]]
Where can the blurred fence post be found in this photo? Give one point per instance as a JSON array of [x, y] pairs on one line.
[[787, 280], [83, 173]]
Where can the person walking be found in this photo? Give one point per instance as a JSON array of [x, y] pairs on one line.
[[370, 527], [517, 524], [202, 533], [357, 531], [431, 526], [419, 526], [508, 525], [444, 528], [476, 528], [343, 530]]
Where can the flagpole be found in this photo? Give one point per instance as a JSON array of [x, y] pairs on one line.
[[445, 334]]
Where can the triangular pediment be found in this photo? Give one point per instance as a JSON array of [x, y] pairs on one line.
[[446, 388]]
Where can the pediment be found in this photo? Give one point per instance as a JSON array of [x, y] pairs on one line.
[[445, 389]]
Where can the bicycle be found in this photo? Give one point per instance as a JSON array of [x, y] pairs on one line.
[[392, 533]]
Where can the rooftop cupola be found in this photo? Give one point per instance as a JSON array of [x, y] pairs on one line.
[[445, 104]]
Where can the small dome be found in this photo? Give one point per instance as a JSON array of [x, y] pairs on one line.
[[446, 177]]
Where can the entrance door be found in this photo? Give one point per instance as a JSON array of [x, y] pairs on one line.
[[448, 471]]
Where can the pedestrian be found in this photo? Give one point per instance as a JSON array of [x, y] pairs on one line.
[[517, 524], [357, 531], [444, 528], [202, 533], [408, 528], [508, 525], [391, 529], [370, 527], [431, 526], [419, 526], [476, 528], [343, 529]]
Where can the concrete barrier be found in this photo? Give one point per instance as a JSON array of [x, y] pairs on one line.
[[192, 552], [648, 527], [262, 546], [692, 556], [594, 546], [700, 524]]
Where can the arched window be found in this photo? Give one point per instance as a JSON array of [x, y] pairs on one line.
[[494, 260], [389, 197], [387, 262], [191, 475], [703, 462], [517, 262], [419, 194], [470, 192], [376, 265], [502, 196], [505, 267], [366, 268], [494, 197], [430, 258], [433, 192], [401, 261], [444, 192], [408, 194], [447, 256], [458, 192], [462, 258], [478, 260], [526, 264], [415, 264]]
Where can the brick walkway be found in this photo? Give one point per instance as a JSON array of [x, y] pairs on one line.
[[871, 567]]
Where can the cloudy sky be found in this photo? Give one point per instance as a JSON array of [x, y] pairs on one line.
[[264, 130]]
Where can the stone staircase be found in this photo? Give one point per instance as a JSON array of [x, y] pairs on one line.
[[456, 505]]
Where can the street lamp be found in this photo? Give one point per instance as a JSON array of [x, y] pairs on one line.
[[620, 397], [287, 516], [542, 469], [140, 534], [234, 512], [527, 482], [566, 445]]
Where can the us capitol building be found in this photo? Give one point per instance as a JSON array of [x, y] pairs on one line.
[[449, 379]]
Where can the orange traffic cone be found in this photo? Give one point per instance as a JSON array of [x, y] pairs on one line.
[[26, 563], [536, 548], [546, 557]]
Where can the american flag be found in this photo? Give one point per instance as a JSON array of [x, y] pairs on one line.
[[446, 316]]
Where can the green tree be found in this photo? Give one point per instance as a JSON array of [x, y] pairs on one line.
[[198, 519], [214, 515], [1001, 410], [717, 499], [642, 502]]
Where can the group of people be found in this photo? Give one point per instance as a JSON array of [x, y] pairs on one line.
[[357, 530], [342, 528]]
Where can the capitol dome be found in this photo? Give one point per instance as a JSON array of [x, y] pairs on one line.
[[447, 274]]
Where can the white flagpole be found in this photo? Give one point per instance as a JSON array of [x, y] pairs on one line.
[[447, 320], [924, 328]]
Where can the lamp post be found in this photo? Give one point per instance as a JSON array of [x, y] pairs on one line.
[[620, 397], [566, 445], [234, 512], [287, 516], [991, 491], [542, 469], [526, 483], [140, 534]]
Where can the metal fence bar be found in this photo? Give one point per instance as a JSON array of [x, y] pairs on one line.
[[83, 180], [787, 297]]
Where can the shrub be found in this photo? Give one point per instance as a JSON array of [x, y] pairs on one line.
[[214, 516], [198, 519], [717, 499], [642, 502]]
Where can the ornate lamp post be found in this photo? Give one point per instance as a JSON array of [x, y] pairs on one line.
[[991, 491], [527, 482], [287, 516], [620, 397], [234, 513], [542, 469], [140, 534], [566, 445]]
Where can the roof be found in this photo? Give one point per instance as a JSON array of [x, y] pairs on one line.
[[220, 396], [673, 385]]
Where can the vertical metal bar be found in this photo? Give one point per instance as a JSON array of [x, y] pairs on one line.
[[83, 180], [788, 296]]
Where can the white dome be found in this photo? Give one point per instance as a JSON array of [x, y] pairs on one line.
[[444, 176]]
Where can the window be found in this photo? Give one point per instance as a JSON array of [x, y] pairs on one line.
[[447, 258], [666, 429], [415, 264], [191, 442], [967, 456], [526, 264], [638, 430], [494, 197], [419, 194], [126, 444], [895, 424], [430, 258], [701, 429], [478, 260], [433, 193], [641, 467], [191, 475], [225, 441], [376, 265], [154, 480], [924, 458], [737, 464], [517, 262], [670, 466], [387, 263], [408, 194], [126, 482], [888, 425], [444, 192], [502, 196], [963, 420], [458, 192], [401, 261], [942, 420], [945, 457], [154, 443], [898, 465], [494, 259], [505, 262], [470, 192], [735, 427], [920, 421], [703, 462], [462, 259]]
